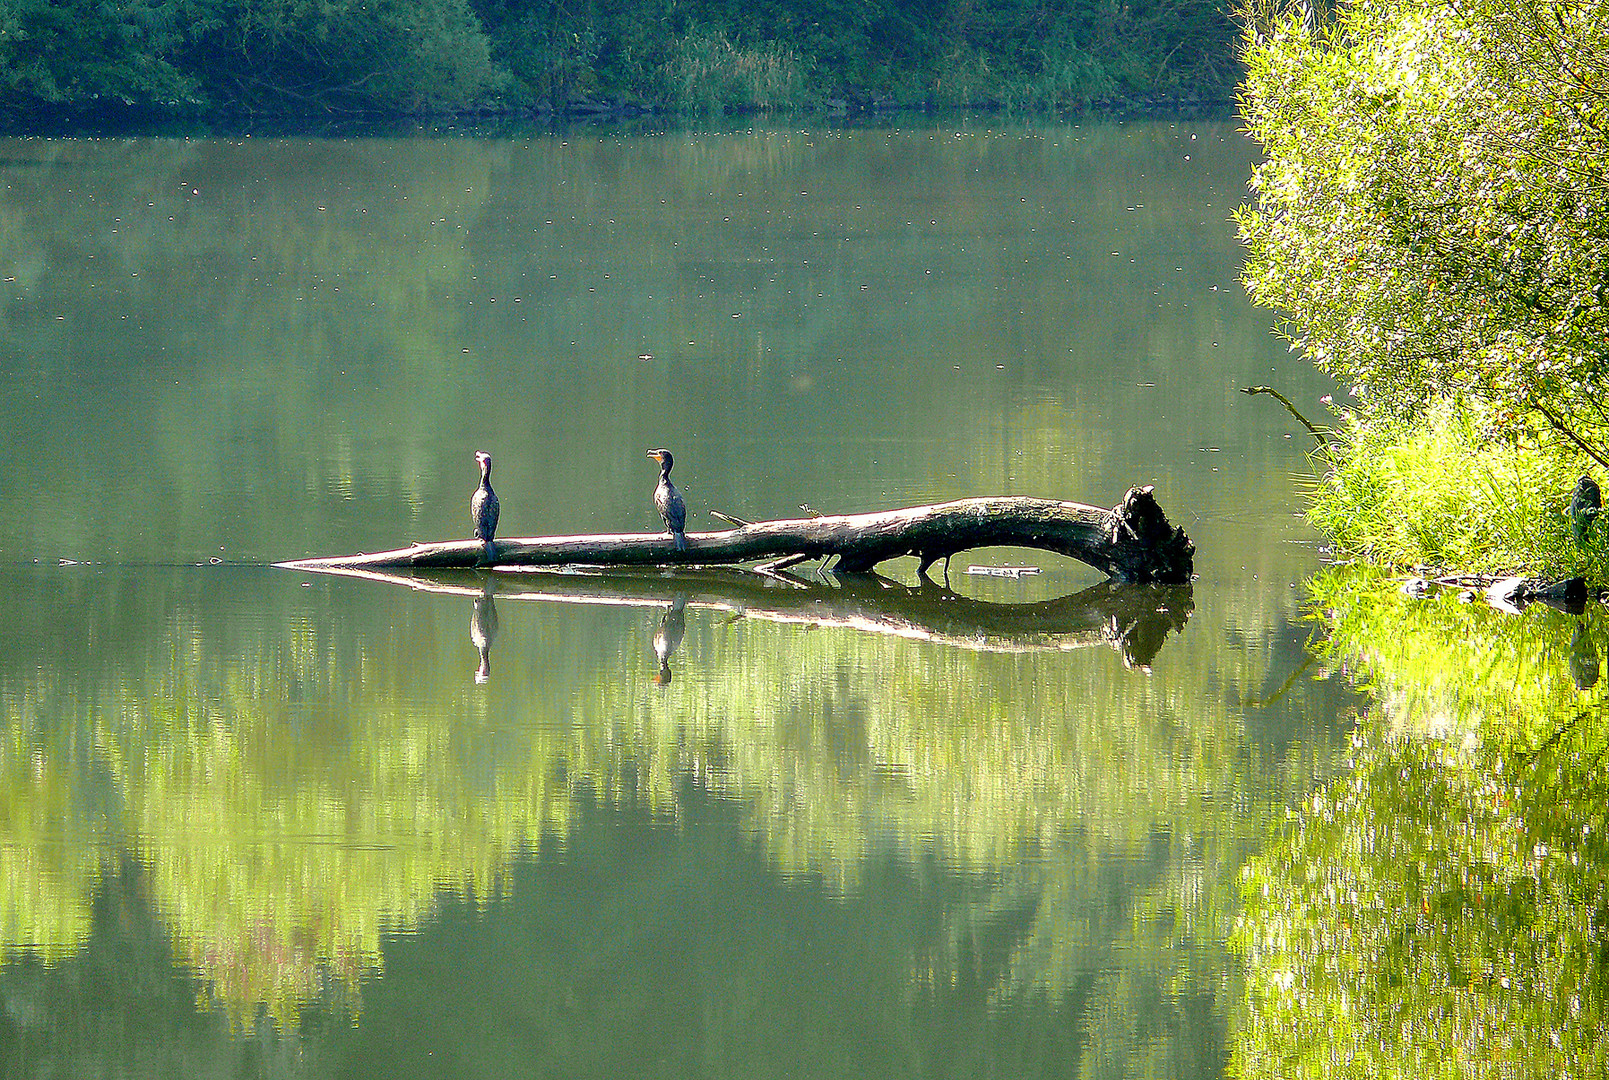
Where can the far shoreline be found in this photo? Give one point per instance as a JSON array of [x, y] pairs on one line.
[[124, 121]]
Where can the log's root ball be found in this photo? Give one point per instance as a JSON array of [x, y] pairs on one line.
[[1145, 546]]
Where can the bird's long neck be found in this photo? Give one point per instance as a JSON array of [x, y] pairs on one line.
[[486, 474], [664, 472]]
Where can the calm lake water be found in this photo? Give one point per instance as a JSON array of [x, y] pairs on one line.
[[258, 822]]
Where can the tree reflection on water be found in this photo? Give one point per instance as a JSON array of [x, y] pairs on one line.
[[1440, 908], [1017, 839]]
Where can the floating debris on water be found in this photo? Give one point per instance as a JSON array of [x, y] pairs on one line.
[[1002, 571]]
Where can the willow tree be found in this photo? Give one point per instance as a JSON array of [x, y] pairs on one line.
[[1432, 218]]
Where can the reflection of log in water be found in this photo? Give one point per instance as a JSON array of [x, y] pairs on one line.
[[1135, 619], [1131, 542]]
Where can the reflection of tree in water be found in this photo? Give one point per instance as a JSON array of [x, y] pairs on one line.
[[292, 798], [121, 1003], [1443, 907]]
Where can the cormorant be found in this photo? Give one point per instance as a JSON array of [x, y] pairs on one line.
[[669, 500], [483, 506]]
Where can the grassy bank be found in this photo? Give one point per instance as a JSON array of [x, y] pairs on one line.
[[1445, 490]]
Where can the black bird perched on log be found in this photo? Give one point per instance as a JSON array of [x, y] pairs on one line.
[[1584, 508], [669, 501], [483, 506]]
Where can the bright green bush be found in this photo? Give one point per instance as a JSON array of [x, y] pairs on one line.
[[1441, 490], [1431, 216]]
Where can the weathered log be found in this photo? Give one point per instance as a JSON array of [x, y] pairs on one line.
[[1132, 542]]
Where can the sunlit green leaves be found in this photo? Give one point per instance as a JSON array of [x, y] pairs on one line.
[[1441, 908], [1443, 489], [1430, 217]]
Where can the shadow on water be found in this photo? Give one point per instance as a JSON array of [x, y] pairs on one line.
[[1442, 906]]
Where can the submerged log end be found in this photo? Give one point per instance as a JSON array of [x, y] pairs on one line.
[[1145, 546]]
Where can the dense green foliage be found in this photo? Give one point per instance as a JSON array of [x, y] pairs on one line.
[[1439, 910], [696, 55], [1431, 216], [1438, 491], [1431, 222]]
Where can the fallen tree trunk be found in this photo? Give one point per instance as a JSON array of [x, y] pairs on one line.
[[1132, 542]]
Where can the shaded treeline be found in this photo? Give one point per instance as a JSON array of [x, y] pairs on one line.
[[412, 56]]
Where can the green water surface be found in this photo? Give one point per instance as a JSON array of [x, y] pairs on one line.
[[258, 822]]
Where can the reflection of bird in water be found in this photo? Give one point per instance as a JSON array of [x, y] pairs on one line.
[[1585, 505], [668, 636], [483, 629], [483, 506], [1585, 663], [669, 501]]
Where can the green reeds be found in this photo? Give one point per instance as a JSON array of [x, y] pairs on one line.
[[708, 74], [1444, 492]]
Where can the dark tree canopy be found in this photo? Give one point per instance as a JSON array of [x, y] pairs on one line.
[[402, 56]]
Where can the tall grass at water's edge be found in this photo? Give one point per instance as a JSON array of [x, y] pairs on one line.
[[1443, 493], [710, 75]]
